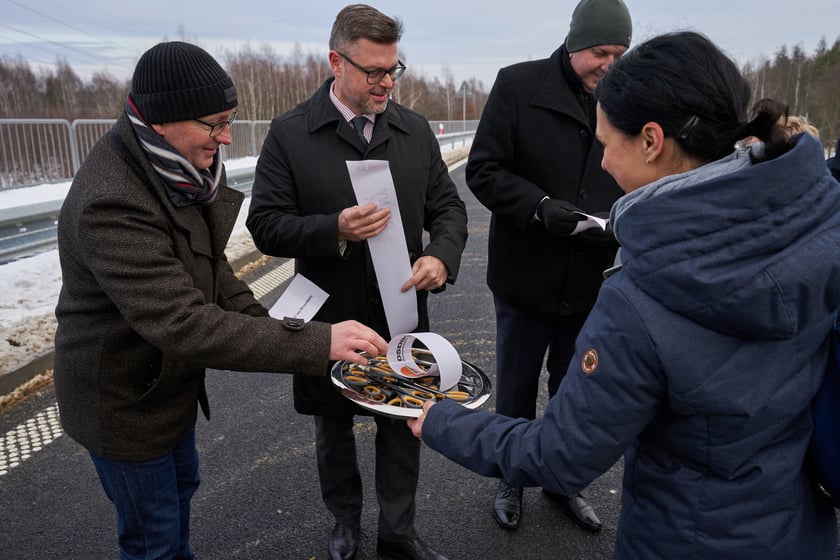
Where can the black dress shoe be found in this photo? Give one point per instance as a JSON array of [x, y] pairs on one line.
[[414, 549], [578, 510], [344, 542], [507, 507]]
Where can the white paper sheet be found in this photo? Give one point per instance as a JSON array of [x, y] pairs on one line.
[[372, 182], [447, 361], [590, 222], [301, 299]]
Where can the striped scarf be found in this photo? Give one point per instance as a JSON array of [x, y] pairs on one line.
[[185, 184]]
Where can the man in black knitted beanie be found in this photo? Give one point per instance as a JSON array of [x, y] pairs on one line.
[[178, 81], [149, 299]]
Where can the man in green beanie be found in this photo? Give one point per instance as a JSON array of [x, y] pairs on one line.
[[535, 164]]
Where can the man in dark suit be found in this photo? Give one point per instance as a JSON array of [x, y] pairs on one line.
[[303, 205], [535, 163]]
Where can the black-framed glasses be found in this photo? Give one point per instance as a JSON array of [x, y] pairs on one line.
[[377, 74], [216, 129]]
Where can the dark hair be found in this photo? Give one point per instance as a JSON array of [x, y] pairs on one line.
[[693, 90], [768, 123], [360, 21]]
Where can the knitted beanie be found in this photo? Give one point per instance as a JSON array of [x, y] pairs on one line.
[[599, 22], [178, 81]]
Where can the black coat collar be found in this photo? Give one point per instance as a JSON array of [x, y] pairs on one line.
[[558, 92]]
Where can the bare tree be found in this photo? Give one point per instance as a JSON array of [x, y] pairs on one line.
[[18, 89], [270, 84], [63, 92]]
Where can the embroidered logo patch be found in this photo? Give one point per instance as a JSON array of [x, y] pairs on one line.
[[589, 363]]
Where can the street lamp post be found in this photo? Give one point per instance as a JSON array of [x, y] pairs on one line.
[[463, 93]]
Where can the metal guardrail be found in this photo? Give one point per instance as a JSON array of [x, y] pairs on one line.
[[32, 228], [455, 139], [37, 151], [26, 229]]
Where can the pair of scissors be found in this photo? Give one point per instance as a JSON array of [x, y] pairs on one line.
[[388, 393], [414, 388]]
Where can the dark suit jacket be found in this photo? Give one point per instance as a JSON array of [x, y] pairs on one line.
[[534, 140], [148, 301], [302, 184], [834, 163]]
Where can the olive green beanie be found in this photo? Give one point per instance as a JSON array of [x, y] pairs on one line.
[[599, 22]]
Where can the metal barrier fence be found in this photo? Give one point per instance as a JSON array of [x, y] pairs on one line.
[[36, 151]]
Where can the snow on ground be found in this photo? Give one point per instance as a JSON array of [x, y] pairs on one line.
[[29, 287]]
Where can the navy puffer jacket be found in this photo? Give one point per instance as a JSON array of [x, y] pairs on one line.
[[698, 363]]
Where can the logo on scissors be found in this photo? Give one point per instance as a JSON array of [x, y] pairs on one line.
[[589, 363]]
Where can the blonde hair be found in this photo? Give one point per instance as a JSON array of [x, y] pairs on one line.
[[795, 124]]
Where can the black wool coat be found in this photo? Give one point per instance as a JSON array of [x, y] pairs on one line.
[[535, 140], [302, 184], [148, 302]]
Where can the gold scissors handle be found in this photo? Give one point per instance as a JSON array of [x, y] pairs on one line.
[[410, 392]]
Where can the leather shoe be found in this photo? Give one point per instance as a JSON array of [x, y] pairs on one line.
[[414, 549], [578, 510], [507, 507], [344, 542]]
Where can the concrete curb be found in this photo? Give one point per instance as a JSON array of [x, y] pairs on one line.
[[15, 378]]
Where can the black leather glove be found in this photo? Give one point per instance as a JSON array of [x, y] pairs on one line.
[[558, 216], [598, 235]]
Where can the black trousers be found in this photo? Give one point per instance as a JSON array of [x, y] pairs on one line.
[[397, 469], [522, 340]]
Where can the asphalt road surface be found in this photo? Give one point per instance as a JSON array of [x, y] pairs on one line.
[[259, 497]]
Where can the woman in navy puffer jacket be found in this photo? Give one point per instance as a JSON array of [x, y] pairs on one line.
[[702, 354]]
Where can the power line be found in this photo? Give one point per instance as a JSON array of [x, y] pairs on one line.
[[16, 54], [55, 43], [33, 46], [62, 23]]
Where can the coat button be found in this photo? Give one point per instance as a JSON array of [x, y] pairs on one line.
[[293, 323], [584, 133]]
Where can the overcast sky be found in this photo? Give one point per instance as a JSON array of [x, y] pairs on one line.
[[470, 38]]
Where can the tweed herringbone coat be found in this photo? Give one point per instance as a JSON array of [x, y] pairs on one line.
[[148, 302]]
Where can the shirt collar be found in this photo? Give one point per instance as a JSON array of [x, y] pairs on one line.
[[345, 111]]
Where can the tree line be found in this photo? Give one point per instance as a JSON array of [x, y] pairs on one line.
[[269, 84], [810, 85]]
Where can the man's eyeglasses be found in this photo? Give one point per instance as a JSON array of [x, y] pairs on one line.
[[376, 75], [216, 129]]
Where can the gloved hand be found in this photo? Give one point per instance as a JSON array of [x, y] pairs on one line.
[[558, 216], [598, 235]]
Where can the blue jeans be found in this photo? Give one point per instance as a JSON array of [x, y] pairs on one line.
[[152, 499], [522, 339]]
